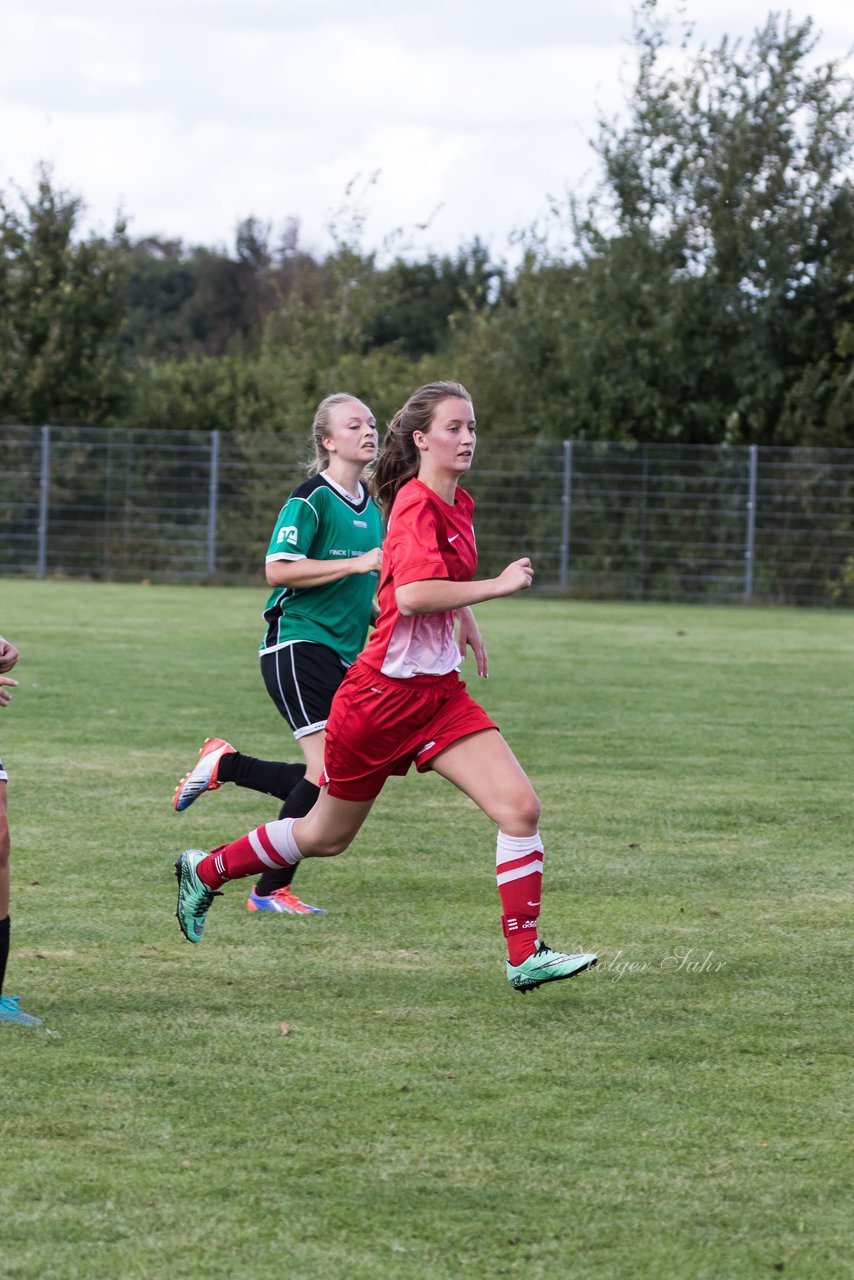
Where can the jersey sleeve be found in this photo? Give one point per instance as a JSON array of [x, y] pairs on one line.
[[413, 545], [295, 530]]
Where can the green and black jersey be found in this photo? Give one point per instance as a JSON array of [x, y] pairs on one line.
[[320, 521]]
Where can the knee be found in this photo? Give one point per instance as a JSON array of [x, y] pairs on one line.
[[327, 847], [321, 834], [520, 812], [314, 842], [531, 810], [4, 841]]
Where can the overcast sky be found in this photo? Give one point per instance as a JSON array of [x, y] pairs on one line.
[[190, 115]]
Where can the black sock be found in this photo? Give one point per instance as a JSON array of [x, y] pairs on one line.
[[274, 777], [5, 930], [297, 805]]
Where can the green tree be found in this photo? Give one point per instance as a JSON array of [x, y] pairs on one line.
[[419, 302], [162, 280], [61, 312], [718, 249], [199, 301], [704, 292]]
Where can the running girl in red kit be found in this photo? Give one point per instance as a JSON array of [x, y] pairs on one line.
[[402, 701]]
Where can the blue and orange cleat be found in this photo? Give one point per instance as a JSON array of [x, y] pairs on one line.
[[284, 900]]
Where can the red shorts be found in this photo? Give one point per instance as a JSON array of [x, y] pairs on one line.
[[379, 726]]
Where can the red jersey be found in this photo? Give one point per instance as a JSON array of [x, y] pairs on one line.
[[426, 538]]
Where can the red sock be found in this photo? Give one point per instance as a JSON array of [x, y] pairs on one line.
[[266, 847], [519, 868]]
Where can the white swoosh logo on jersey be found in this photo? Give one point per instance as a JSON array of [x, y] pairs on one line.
[[452, 537]]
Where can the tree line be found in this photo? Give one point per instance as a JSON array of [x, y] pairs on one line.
[[703, 293]]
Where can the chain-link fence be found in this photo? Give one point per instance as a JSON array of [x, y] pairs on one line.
[[653, 522]]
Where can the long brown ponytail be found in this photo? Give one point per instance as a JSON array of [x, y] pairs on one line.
[[398, 457]]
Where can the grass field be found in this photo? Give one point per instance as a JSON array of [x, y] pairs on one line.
[[682, 1113]]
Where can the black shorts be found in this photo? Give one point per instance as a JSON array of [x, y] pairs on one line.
[[4, 777], [302, 680]]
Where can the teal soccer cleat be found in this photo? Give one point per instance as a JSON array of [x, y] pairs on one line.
[[194, 897], [546, 965]]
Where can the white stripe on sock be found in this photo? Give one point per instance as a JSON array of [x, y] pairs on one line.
[[281, 836], [504, 877], [258, 847]]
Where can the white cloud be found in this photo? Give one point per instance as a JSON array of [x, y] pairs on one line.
[[192, 114]]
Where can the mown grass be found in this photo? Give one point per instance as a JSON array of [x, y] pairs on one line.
[[682, 1112]]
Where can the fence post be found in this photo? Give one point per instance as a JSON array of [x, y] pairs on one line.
[[643, 512], [213, 494], [751, 527], [44, 479], [108, 500], [566, 501], [126, 502]]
